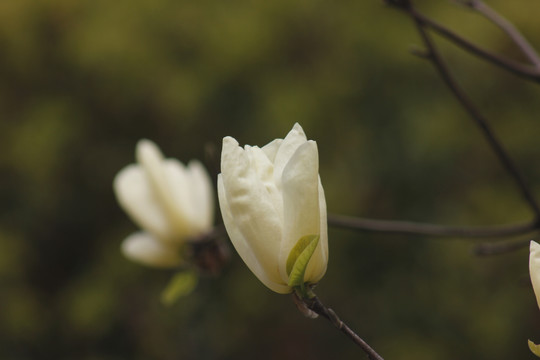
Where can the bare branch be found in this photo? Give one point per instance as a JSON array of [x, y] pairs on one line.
[[318, 307], [507, 27], [526, 71], [413, 228], [513, 66], [479, 119], [485, 249]]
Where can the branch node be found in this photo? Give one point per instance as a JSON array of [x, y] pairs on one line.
[[335, 319], [421, 52]]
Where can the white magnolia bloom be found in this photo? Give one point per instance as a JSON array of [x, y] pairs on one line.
[[534, 269], [270, 197], [171, 202]]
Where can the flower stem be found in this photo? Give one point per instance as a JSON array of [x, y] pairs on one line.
[[314, 304]]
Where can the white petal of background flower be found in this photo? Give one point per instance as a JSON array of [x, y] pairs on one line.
[[171, 202], [202, 199], [136, 196], [146, 249], [175, 194]]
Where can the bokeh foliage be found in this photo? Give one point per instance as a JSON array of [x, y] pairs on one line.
[[82, 81]]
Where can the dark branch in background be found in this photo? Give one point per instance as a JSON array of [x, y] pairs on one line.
[[501, 153], [523, 70], [413, 228], [507, 27], [500, 248], [513, 66], [315, 305]]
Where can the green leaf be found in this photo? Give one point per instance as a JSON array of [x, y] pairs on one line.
[[182, 284], [535, 349], [299, 257]]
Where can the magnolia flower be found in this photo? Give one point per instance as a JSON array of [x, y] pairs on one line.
[[171, 202], [271, 198], [534, 271]]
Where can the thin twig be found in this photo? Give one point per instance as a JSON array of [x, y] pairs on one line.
[[478, 118], [508, 28], [513, 66], [413, 228], [486, 249], [318, 307]]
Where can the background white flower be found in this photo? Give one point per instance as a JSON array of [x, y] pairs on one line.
[[171, 202], [270, 197]]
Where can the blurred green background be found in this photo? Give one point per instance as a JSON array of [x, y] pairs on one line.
[[82, 81]]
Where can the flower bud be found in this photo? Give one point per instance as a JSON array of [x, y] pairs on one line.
[[271, 199], [171, 202]]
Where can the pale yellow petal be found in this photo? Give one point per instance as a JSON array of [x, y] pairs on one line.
[[301, 206], [288, 147], [265, 173], [319, 260], [271, 149]]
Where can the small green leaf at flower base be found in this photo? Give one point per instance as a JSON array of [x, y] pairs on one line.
[[535, 349], [299, 257], [181, 284]]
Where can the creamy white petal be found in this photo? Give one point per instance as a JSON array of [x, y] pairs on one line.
[[150, 158], [534, 269], [265, 173], [202, 198], [319, 260], [300, 186], [242, 246], [146, 249], [184, 193], [288, 147], [251, 207], [137, 197], [271, 149]]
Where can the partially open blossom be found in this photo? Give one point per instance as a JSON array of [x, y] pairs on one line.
[[534, 271], [171, 202], [270, 198]]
